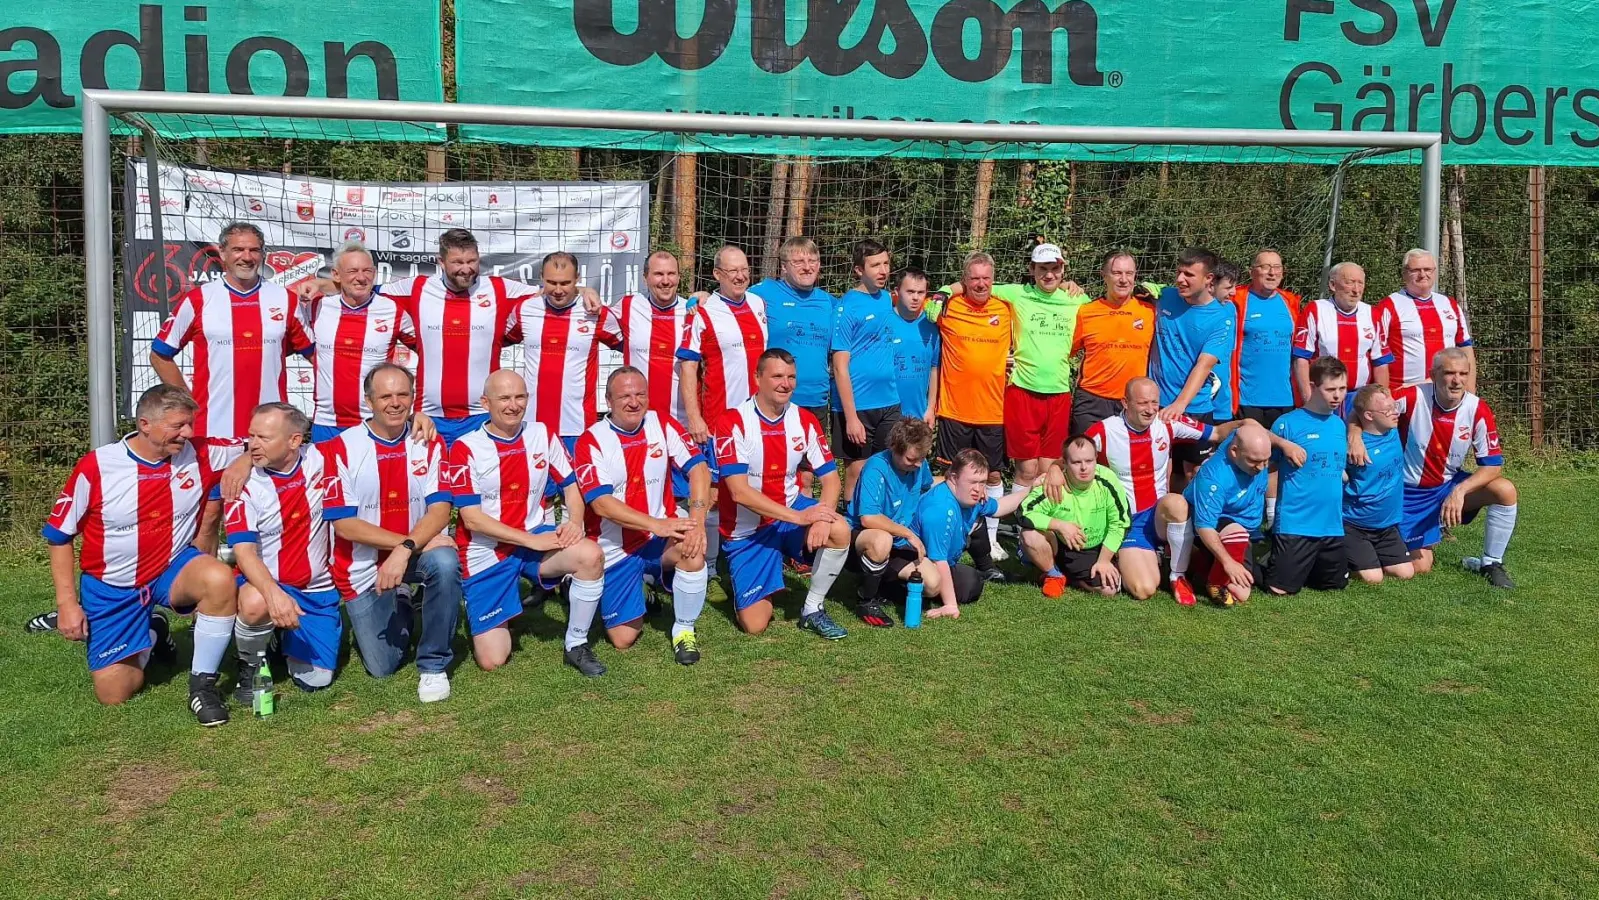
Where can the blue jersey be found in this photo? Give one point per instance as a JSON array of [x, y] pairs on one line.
[[863, 330], [916, 351], [802, 324], [943, 523], [883, 490], [1220, 490], [1374, 495], [1310, 497], [1266, 353], [1182, 333]]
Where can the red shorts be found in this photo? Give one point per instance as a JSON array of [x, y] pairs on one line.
[[1215, 574], [1036, 425]]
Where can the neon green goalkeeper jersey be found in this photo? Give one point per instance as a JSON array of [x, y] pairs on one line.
[[1100, 509]]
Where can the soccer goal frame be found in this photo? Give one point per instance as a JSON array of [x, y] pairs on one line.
[[99, 106]]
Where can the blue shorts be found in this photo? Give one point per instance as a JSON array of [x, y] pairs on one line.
[[622, 600], [494, 597], [119, 617], [321, 434], [452, 429], [756, 562], [1418, 524], [1143, 533], [321, 629]]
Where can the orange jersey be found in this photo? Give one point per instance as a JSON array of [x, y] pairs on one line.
[[971, 375], [1114, 341]]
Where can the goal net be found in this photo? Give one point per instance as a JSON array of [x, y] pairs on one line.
[[316, 184]]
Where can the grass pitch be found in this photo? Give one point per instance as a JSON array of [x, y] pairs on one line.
[[1432, 739]]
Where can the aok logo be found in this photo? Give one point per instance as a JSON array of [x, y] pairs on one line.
[[822, 39]]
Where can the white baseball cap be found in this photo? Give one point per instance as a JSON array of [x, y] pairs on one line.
[[1048, 253]]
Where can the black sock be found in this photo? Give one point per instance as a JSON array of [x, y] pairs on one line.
[[982, 553]]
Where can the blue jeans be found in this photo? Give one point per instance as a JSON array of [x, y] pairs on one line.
[[381, 624]]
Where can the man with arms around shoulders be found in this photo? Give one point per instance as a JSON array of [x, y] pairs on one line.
[[1374, 493], [917, 348], [502, 477], [281, 542], [1114, 334], [1440, 422], [760, 447], [886, 496], [1193, 352], [1262, 365], [624, 467], [800, 318]]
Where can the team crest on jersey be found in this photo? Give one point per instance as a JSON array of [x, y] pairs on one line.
[[538, 461], [276, 314], [1160, 445], [655, 451], [381, 327], [993, 320], [1368, 335], [1464, 434], [584, 328], [184, 480], [421, 468], [1138, 324], [799, 445]]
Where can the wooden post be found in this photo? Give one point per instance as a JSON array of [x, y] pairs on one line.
[[1454, 238], [436, 164], [799, 194], [1024, 183], [775, 201], [1535, 221], [685, 207], [985, 188], [663, 179]]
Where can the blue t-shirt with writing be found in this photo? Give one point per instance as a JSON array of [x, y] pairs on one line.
[[1266, 353], [1374, 495], [1220, 490], [883, 490], [863, 330], [1182, 333], [916, 351], [944, 524], [802, 324], [1310, 496]]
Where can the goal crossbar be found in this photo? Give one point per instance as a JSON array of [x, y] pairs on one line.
[[100, 105]]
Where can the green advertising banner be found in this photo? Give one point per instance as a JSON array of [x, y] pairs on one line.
[[1506, 81], [51, 50]]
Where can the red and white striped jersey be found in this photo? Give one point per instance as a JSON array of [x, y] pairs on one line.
[[511, 480], [1326, 330], [561, 361], [387, 483], [281, 513], [769, 454], [459, 338], [650, 338], [1436, 440], [1415, 330], [135, 515], [1142, 459], [350, 340], [725, 338], [635, 467], [240, 340]]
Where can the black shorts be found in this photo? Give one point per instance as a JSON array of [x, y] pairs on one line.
[[1089, 408], [1077, 565], [877, 422], [1267, 416], [1194, 452], [1319, 563], [967, 582], [953, 437], [1374, 548]]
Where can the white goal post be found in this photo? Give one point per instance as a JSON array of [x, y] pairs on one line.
[[99, 106]]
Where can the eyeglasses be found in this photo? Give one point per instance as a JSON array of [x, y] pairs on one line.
[[743, 271]]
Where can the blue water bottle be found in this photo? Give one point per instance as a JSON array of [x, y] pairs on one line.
[[913, 600]]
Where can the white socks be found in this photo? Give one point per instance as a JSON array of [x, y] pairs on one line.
[[1271, 514], [824, 571], [995, 491], [713, 538], [212, 634], [584, 597], [1496, 538], [688, 599], [250, 641], [1181, 541], [308, 677]]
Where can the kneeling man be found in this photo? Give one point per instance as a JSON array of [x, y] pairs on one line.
[[944, 521], [1227, 499], [890, 485], [1075, 539], [502, 475]]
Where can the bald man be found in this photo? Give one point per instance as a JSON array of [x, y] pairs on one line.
[[1227, 502], [1343, 327]]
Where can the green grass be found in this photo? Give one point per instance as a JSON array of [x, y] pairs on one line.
[[1434, 739]]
